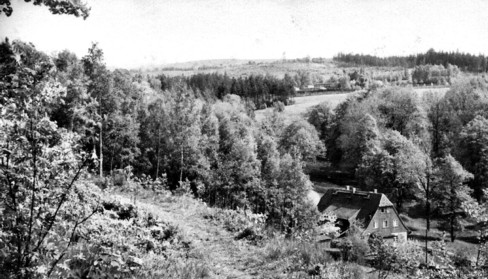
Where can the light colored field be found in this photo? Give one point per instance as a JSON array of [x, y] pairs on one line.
[[242, 68], [302, 104]]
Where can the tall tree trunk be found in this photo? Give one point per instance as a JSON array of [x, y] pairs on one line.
[[101, 143], [453, 193], [157, 153], [111, 164], [427, 209], [452, 227], [181, 166]]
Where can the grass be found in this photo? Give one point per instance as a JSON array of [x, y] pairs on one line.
[[303, 104]]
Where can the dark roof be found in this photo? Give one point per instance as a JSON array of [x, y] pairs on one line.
[[348, 205]]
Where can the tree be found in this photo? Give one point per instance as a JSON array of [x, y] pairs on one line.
[[450, 189], [301, 139], [69, 7], [288, 204], [474, 152], [99, 88], [182, 133], [121, 130], [391, 167], [363, 140], [400, 109], [39, 165], [345, 82], [78, 111], [321, 117], [385, 256], [422, 169], [237, 175]]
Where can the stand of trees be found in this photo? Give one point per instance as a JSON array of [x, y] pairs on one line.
[[465, 61], [262, 91]]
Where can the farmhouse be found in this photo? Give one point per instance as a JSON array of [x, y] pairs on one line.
[[374, 210]]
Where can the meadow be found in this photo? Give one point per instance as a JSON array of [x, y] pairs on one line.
[[302, 104]]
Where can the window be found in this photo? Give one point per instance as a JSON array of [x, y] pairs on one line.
[[385, 223], [395, 223], [375, 224], [382, 210]]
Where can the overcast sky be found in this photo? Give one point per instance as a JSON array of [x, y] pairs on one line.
[[135, 33]]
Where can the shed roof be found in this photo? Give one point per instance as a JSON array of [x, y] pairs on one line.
[[353, 205]]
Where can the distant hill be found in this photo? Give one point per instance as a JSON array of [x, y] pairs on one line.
[[241, 67]]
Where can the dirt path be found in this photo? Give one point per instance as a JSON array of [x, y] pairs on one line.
[[225, 257]]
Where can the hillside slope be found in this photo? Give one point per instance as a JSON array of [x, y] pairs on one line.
[[212, 248], [210, 243]]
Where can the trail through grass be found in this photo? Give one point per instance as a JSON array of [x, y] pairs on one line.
[[216, 247]]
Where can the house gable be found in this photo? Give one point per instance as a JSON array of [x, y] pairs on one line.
[[386, 222], [373, 210]]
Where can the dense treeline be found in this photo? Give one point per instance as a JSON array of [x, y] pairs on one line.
[[465, 61], [262, 91]]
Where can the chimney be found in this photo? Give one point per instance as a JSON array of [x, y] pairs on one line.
[[354, 190], [347, 187], [376, 191]]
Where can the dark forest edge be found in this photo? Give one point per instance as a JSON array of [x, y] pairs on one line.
[[464, 61]]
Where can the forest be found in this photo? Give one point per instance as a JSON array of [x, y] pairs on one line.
[[465, 61]]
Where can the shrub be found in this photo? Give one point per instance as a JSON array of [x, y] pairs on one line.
[[296, 254], [155, 267], [236, 220], [343, 270]]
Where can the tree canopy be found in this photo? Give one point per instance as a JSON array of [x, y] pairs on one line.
[[69, 7]]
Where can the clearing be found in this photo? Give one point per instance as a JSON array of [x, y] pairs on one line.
[[303, 104]]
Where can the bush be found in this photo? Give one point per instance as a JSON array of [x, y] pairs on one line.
[[236, 220], [296, 254], [155, 267], [278, 106], [343, 270], [123, 211]]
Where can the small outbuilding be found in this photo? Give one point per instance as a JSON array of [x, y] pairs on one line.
[[372, 209]]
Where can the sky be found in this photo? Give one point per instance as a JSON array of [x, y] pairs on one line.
[[136, 33]]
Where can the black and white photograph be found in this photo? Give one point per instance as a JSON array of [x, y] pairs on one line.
[[242, 139]]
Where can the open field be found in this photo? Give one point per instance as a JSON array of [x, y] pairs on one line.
[[239, 68], [303, 104]]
